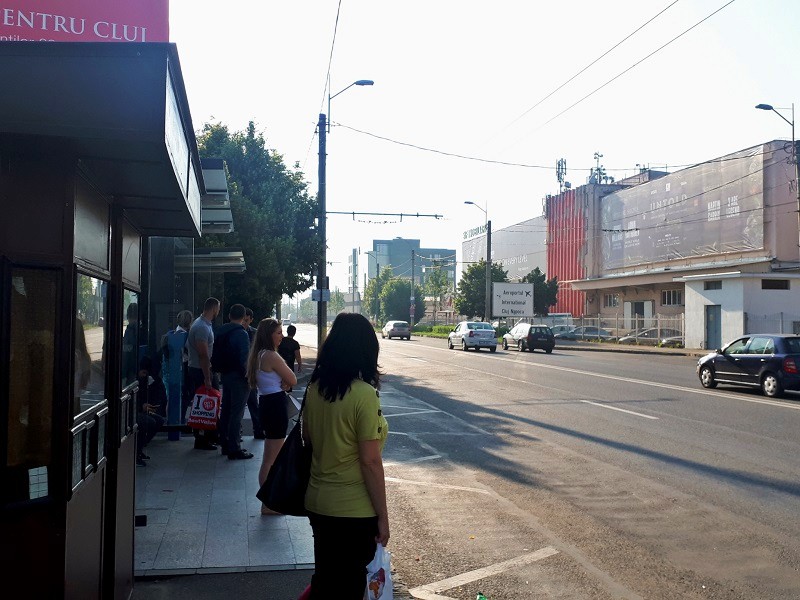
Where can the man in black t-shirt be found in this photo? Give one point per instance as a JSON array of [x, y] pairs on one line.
[[289, 350]]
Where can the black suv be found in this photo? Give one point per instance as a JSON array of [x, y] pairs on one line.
[[529, 337]]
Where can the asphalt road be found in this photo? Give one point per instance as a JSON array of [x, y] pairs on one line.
[[585, 475]]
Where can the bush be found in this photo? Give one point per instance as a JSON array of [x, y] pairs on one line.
[[445, 329], [419, 328]]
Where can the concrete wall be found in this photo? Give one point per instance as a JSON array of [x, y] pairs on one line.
[[730, 298]]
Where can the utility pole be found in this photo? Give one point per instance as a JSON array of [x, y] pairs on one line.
[[488, 311], [377, 283], [322, 275], [412, 308]]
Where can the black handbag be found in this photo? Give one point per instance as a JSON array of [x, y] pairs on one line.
[[284, 491]]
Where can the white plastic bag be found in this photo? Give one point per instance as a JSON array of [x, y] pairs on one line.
[[379, 575]]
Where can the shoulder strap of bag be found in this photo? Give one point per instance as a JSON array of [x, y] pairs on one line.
[[300, 416]]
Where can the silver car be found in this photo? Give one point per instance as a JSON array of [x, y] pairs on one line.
[[473, 334], [399, 329]]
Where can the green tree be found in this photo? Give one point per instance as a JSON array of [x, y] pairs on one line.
[[545, 293], [396, 301], [371, 303], [273, 217], [336, 305], [436, 286], [307, 311], [470, 299]]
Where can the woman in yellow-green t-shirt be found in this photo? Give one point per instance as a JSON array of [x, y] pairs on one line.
[[346, 497]]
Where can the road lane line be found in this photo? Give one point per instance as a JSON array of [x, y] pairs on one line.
[[394, 463], [477, 574], [630, 412], [417, 359], [442, 486], [413, 412], [700, 391]]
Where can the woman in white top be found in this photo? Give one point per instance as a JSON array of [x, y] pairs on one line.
[[271, 376]]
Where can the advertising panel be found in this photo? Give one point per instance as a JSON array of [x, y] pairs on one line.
[[84, 21], [712, 208], [512, 300], [518, 248]]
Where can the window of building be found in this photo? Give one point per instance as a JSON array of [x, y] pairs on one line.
[[712, 285], [90, 343], [671, 298], [610, 300], [774, 284], [33, 305]]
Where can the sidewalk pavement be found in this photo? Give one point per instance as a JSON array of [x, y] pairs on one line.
[[205, 536]]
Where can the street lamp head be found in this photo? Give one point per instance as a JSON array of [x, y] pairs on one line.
[[764, 107], [365, 82]]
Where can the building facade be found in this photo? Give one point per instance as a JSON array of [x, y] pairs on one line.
[[409, 260]]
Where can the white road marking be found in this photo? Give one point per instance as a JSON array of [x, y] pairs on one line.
[[430, 590], [413, 412], [630, 412], [395, 463], [442, 486], [701, 391], [417, 359], [398, 433]]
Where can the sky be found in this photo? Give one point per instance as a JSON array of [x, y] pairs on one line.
[[484, 80]]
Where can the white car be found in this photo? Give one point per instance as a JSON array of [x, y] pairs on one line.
[[286, 323], [398, 329], [473, 334]]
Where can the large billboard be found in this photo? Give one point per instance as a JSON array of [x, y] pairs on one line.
[[518, 248], [84, 21], [712, 208]]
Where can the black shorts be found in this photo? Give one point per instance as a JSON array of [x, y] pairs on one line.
[[273, 415]]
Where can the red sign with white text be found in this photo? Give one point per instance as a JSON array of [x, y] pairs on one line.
[[84, 21]]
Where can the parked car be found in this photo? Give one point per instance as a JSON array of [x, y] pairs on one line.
[[530, 337], [398, 329], [768, 361], [652, 336], [473, 334], [561, 329], [587, 332], [285, 323]]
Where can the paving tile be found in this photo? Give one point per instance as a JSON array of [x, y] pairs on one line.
[[147, 541], [226, 547], [271, 548], [181, 550]]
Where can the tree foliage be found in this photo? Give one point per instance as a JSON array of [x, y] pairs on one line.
[[371, 302], [545, 293], [436, 286], [396, 301], [273, 217], [336, 305], [470, 299]]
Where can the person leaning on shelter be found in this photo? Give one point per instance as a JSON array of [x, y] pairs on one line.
[[200, 344], [346, 496], [271, 376]]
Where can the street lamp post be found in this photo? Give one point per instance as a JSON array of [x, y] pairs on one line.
[[374, 301], [322, 272], [487, 313], [794, 159]]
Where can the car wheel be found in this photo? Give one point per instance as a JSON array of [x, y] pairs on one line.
[[383, 335], [707, 378], [520, 346], [450, 343], [771, 386], [505, 344], [549, 350], [492, 348], [463, 344]]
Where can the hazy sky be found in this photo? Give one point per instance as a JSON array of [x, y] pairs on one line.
[[461, 76]]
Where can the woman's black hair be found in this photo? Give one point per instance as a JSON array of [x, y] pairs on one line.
[[349, 352]]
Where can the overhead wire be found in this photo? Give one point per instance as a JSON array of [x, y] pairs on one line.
[[326, 87], [595, 61], [637, 63]]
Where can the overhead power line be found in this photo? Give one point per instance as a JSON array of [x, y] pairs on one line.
[[595, 61], [637, 63]]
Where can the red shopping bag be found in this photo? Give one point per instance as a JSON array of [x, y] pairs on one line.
[[204, 411], [306, 593]]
